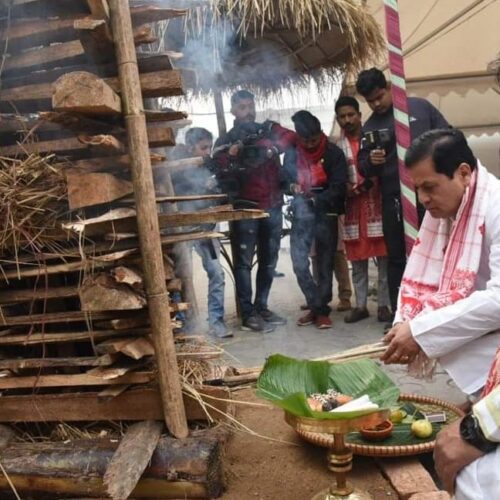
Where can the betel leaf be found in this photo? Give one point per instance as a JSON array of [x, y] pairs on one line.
[[287, 382]]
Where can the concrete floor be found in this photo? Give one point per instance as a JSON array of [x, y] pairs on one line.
[[251, 349]]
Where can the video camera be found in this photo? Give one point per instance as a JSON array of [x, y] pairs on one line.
[[251, 154], [377, 139]]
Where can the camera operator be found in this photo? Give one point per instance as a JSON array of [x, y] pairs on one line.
[[316, 174], [248, 169], [380, 160]]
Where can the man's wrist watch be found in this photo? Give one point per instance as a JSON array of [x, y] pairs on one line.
[[471, 432]]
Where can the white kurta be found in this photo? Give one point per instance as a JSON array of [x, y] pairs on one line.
[[460, 335]]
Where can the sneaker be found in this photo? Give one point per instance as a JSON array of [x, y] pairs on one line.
[[357, 314], [323, 322], [307, 319], [256, 323], [219, 330], [384, 314], [344, 305], [272, 318]]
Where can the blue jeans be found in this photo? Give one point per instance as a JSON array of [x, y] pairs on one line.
[[309, 225], [209, 251], [263, 235]]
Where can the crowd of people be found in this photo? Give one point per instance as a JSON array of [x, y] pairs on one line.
[[345, 194], [441, 304]]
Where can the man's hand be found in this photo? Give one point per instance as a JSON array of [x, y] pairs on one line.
[[377, 157], [452, 454], [402, 346], [295, 189]]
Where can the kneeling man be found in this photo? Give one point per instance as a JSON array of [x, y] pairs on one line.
[[449, 300]]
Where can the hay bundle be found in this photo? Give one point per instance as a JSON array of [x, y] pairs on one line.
[[32, 198]]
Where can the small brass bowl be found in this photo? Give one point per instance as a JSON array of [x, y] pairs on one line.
[[379, 433]]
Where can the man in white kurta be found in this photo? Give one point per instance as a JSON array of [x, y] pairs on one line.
[[451, 325], [449, 301]]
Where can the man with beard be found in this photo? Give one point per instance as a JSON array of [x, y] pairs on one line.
[[247, 159], [363, 236], [316, 173]]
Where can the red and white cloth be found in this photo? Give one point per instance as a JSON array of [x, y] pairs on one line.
[[370, 202], [443, 265]]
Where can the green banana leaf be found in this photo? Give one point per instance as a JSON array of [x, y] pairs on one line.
[[287, 382]]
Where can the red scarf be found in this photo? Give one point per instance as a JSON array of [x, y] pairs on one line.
[[310, 169]]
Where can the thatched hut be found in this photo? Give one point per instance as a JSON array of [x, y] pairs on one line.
[[266, 46]]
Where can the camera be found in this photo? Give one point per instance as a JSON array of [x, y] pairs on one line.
[[377, 139]]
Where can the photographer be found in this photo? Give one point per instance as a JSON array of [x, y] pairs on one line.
[[378, 158], [363, 236], [316, 174], [248, 169]]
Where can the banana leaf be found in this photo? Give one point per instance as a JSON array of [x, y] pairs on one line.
[[287, 382]]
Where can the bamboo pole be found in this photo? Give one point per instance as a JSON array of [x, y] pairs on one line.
[[219, 111], [147, 219]]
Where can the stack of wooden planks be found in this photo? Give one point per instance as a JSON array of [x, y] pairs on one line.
[[76, 342]]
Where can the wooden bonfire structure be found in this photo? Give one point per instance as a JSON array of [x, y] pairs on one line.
[[86, 324]]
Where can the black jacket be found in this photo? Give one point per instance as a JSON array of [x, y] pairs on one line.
[[332, 198], [423, 116]]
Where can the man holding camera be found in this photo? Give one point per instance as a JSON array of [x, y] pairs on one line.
[[316, 175], [363, 236], [248, 164], [378, 158]]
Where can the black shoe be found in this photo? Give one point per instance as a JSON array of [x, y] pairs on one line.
[[256, 323], [277, 274], [356, 315], [271, 318], [384, 314]]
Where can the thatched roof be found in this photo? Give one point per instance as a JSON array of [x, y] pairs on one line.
[[266, 45]]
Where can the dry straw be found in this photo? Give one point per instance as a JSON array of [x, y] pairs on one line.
[[309, 18], [32, 198]]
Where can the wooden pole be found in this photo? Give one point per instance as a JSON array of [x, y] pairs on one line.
[[219, 111], [147, 220]]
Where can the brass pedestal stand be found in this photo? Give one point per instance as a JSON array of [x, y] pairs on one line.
[[339, 456]]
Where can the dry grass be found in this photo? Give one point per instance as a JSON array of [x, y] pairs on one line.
[[274, 30], [308, 18], [32, 197]]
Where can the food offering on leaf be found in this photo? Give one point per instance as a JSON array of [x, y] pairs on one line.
[[328, 401]]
